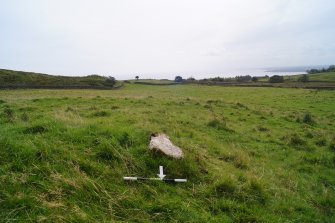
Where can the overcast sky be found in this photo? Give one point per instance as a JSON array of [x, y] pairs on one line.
[[162, 38]]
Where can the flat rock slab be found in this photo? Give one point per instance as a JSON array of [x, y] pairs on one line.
[[162, 143]]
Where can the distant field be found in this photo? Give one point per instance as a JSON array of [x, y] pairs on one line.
[[251, 154], [328, 77], [153, 81]]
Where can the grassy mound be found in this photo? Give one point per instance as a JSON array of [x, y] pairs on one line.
[[20, 79]]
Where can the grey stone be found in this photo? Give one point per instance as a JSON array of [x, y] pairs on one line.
[[162, 143]]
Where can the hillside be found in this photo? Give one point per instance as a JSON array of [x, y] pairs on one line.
[[251, 154], [329, 76], [318, 77], [20, 79]]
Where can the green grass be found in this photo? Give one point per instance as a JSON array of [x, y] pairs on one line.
[[151, 82], [329, 76], [326, 77], [251, 154]]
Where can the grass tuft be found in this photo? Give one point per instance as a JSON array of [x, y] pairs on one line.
[[101, 114], [295, 140], [37, 129], [225, 188], [263, 129], [332, 147], [321, 142], [125, 140], [25, 117], [69, 109], [238, 159], [308, 119], [219, 125], [8, 114]]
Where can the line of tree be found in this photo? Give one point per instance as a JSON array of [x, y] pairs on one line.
[[276, 79], [331, 68], [245, 78]]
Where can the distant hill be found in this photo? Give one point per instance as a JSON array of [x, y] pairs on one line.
[[21, 79]]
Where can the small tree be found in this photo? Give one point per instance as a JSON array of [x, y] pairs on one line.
[[178, 79], [276, 79], [303, 78], [137, 77], [254, 79], [110, 81], [313, 71], [331, 68]]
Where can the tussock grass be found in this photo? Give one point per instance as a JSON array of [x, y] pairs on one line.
[[37, 129], [308, 119], [24, 117], [8, 114], [101, 114], [219, 125], [263, 129]]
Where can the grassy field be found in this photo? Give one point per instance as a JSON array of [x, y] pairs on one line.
[[323, 77], [329, 76], [153, 81], [251, 154]]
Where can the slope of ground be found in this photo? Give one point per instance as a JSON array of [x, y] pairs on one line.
[[20, 79], [329, 76], [321, 77], [251, 154]]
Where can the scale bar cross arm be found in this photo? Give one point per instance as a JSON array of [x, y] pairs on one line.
[[155, 179]]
